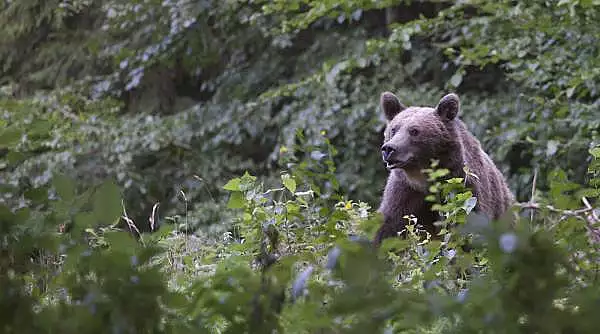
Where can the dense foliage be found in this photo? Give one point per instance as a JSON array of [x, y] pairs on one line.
[[237, 145]]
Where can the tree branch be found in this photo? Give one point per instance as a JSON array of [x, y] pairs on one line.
[[586, 214]]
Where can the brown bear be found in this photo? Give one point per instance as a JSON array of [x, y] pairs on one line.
[[412, 138]]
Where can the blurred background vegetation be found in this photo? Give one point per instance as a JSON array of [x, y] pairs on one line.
[[171, 99]]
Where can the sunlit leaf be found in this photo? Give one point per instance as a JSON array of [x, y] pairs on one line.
[[236, 200], [289, 182], [233, 184]]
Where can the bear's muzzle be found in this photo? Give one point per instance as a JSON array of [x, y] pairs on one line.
[[396, 157]]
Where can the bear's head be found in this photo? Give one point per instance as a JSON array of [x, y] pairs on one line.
[[415, 135]]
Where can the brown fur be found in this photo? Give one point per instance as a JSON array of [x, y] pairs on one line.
[[414, 136]]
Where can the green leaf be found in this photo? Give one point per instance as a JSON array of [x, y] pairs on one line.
[[14, 158], [233, 184], [247, 181], [107, 203], [595, 152], [10, 136], [236, 200], [455, 180], [64, 187], [163, 232], [83, 220], [38, 195], [122, 241], [289, 182], [40, 128], [292, 208], [6, 215]]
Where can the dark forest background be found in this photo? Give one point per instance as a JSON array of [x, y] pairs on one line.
[[166, 96]]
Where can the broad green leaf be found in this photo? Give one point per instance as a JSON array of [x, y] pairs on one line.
[[6, 215], [292, 208], [289, 182], [84, 220], [236, 200], [122, 241], [107, 203], [38, 195], [10, 136], [233, 184], [40, 128], [14, 158], [65, 187]]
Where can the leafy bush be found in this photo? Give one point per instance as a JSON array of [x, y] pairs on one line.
[[298, 259]]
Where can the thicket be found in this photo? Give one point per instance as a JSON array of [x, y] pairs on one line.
[[184, 166]]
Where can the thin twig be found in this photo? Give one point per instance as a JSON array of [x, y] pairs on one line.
[[204, 183], [130, 223], [532, 199], [152, 218], [187, 227], [592, 219]]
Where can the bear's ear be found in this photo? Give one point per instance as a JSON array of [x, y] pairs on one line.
[[448, 107], [390, 105]]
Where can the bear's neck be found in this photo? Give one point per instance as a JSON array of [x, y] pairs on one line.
[[453, 157], [454, 163], [416, 179], [453, 160]]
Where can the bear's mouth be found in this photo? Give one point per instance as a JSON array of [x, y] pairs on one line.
[[394, 165]]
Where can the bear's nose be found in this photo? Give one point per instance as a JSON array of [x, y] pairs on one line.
[[386, 151]]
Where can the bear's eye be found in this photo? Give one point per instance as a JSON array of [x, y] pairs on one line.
[[393, 131], [413, 132]]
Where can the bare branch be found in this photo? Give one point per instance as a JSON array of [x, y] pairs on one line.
[[586, 214]]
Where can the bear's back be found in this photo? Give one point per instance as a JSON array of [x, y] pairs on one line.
[[488, 184]]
